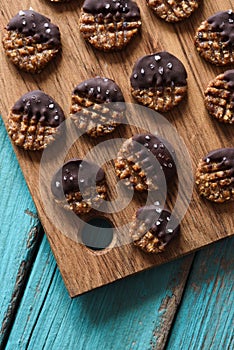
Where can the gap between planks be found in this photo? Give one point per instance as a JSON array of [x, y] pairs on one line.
[[33, 243]]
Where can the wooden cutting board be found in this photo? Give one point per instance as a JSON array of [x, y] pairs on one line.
[[84, 269]]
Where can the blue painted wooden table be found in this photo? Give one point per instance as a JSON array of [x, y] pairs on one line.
[[186, 304]]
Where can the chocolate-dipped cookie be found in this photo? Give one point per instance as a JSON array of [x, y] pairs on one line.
[[31, 41], [97, 106], [109, 24], [219, 97], [145, 162], [153, 228], [214, 38], [159, 81], [215, 175], [173, 10], [34, 121], [79, 186]]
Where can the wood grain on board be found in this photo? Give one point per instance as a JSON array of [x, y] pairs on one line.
[[81, 268]]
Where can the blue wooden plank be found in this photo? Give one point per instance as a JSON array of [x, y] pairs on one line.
[[124, 315], [206, 317], [18, 232]]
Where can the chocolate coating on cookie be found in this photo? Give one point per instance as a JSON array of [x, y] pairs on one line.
[[158, 70], [223, 22], [73, 174], [165, 227], [121, 8], [33, 24], [223, 156], [40, 106], [162, 151], [101, 90]]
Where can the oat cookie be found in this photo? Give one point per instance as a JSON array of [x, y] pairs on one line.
[[109, 24], [136, 164], [34, 120], [79, 186], [173, 10], [31, 41], [214, 38], [153, 228], [219, 97], [97, 106], [215, 175], [158, 81]]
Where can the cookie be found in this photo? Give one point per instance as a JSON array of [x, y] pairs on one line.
[[173, 10], [219, 97], [153, 228], [214, 38], [136, 164], [79, 186], [109, 24], [97, 106], [34, 121], [215, 175], [158, 81], [31, 41]]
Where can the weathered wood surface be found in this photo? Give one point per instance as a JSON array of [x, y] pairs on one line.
[[206, 314], [124, 315], [200, 133], [135, 313], [19, 234]]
